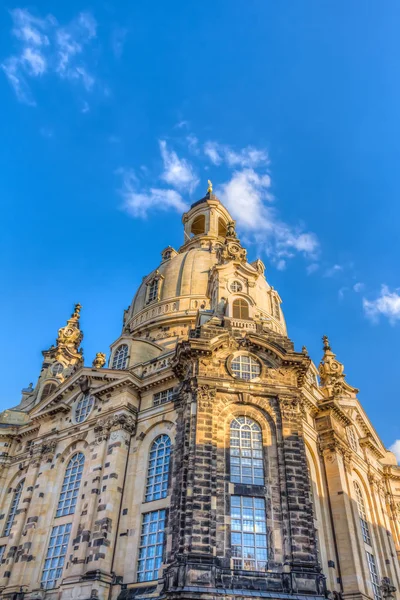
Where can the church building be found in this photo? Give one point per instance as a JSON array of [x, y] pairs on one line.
[[207, 460]]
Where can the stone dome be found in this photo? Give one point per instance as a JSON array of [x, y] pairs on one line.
[[210, 266]]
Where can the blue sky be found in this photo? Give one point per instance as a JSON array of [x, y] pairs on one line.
[[114, 115]]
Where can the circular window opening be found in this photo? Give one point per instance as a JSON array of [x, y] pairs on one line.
[[83, 408], [236, 286], [246, 367], [57, 368]]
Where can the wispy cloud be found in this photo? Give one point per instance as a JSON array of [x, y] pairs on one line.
[[43, 47], [177, 172], [248, 197], [358, 287], [246, 194], [334, 270], [395, 448], [139, 203], [246, 157], [387, 304]]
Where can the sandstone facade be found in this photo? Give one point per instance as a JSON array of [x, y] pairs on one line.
[[209, 460]]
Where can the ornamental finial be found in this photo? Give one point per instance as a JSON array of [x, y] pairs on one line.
[[325, 340], [99, 361], [77, 311], [209, 189]]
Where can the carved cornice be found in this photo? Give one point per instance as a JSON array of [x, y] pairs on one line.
[[368, 442], [333, 406], [115, 422]]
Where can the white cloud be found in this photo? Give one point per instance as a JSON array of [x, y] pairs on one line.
[[177, 172], [358, 287], [44, 47], [395, 448], [211, 151], [139, 203], [332, 271], [248, 198], [386, 304], [248, 157]]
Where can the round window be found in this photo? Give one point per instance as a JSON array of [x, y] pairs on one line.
[[236, 286], [246, 367], [83, 408], [57, 368]]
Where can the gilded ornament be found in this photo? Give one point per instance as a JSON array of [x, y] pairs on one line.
[[99, 361]]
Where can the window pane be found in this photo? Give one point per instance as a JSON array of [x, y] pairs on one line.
[[53, 567], [246, 465], [72, 482], [249, 548], [120, 357], [151, 545], [13, 508], [157, 487]]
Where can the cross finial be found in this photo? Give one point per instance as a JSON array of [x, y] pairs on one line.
[[209, 189]]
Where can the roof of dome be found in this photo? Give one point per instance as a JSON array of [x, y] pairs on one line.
[[185, 274]]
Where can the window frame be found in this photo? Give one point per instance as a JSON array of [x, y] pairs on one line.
[[117, 360], [158, 544], [64, 530], [362, 514], [239, 502], [159, 402], [153, 464], [68, 481], [233, 357], [374, 575], [241, 303], [242, 455], [13, 508], [81, 398], [236, 287]]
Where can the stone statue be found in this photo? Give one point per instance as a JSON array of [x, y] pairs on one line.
[[221, 308]]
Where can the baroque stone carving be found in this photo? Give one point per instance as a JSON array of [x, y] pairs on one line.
[[99, 361]]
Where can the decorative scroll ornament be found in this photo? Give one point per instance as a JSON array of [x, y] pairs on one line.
[[99, 361], [231, 249], [331, 373], [114, 423]]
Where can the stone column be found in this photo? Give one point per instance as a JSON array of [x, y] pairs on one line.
[[103, 536]]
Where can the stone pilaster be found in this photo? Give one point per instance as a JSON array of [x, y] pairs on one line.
[[298, 488], [103, 538]]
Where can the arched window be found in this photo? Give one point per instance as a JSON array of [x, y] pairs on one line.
[[13, 508], [198, 225], [70, 486], [152, 293], [240, 309], [48, 389], [221, 228], [246, 367], [120, 357], [157, 474], [83, 408], [362, 513], [246, 452]]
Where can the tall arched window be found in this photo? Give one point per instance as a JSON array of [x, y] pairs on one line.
[[246, 452], [120, 357], [157, 474], [240, 309], [13, 508], [70, 486], [362, 513]]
